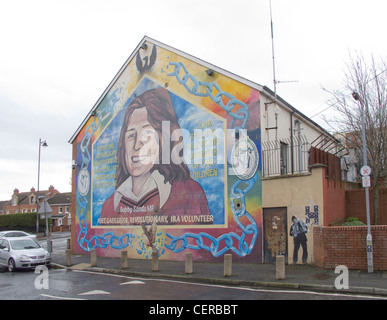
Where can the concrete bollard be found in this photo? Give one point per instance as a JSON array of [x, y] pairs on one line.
[[188, 263], [93, 258], [280, 267], [155, 261], [68, 257], [49, 246], [227, 265], [124, 259]]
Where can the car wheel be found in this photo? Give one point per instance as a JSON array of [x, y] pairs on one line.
[[11, 265]]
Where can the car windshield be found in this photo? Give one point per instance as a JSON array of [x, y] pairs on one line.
[[22, 244]]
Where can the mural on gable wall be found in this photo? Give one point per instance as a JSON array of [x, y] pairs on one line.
[[171, 162], [300, 230]]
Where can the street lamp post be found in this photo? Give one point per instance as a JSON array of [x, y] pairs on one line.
[[41, 144], [369, 236]]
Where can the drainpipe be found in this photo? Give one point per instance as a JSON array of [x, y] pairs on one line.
[[291, 142], [298, 122]]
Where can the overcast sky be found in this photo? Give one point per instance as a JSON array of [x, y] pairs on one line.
[[57, 57]]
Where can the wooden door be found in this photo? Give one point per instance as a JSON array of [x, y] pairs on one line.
[[275, 233]]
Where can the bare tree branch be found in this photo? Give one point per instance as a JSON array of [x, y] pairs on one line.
[[369, 81]]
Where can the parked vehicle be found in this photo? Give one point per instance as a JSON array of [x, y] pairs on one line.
[[16, 233], [22, 253]]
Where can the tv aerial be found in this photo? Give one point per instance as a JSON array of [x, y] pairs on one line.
[[275, 81]]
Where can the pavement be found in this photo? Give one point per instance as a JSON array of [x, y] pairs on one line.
[[299, 277]]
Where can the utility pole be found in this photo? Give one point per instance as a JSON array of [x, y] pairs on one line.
[[370, 261], [41, 144]]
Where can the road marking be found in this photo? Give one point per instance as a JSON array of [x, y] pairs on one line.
[[244, 288], [80, 266], [93, 292], [132, 282], [60, 298]]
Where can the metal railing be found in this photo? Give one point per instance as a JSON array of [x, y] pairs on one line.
[[285, 156]]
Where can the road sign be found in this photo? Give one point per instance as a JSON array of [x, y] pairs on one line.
[[365, 171], [44, 208], [366, 182]]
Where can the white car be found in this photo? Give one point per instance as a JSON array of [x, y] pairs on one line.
[[22, 253], [16, 233]]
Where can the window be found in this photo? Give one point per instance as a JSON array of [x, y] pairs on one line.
[[66, 208], [4, 245], [284, 158], [60, 209], [14, 201]]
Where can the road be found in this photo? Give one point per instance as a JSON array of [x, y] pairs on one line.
[[59, 242], [85, 285], [62, 284]]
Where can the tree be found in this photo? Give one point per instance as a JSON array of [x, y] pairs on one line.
[[369, 81]]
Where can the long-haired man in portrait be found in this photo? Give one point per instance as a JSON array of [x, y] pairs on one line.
[[144, 185]]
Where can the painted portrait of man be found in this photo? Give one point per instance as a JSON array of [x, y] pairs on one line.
[[298, 231], [147, 188]]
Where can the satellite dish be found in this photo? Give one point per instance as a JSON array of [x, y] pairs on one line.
[[277, 109]]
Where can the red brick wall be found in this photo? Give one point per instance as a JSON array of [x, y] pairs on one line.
[[335, 246], [334, 200], [356, 207]]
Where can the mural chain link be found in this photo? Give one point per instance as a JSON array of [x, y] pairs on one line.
[[206, 89], [240, 246], [108, 238], [241, 114]]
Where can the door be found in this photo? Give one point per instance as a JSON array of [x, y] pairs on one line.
[[275, 233]]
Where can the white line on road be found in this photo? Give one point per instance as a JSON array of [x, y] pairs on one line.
[[132, 282], [242, 288], [93, 292], [59, 298]]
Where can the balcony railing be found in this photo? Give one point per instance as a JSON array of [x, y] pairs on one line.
[[285, 157]]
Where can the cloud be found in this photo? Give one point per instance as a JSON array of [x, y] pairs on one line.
[[23, 175], [59, 56]]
